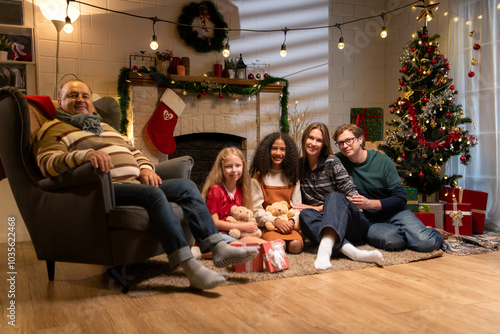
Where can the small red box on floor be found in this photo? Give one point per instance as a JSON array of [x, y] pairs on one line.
[[274, 256], [427, 218], [254, 265], [458, 218], [477, 199]]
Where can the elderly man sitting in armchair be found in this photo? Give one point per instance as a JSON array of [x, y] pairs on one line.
[[77, 136]]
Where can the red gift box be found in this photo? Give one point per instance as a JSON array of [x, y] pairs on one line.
[[427, 218], [274, 256], [477, 199], [458, 218], [254, 265]]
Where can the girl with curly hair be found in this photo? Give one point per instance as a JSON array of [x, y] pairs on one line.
[[275, 169], [228, 184]]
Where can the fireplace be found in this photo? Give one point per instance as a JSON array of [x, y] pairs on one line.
[[204, 147]]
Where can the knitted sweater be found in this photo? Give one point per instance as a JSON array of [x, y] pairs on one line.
[[377, 178], [329, 175], [59, 147]]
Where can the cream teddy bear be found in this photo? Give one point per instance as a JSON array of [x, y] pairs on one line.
[[280, 210], [240, 214]]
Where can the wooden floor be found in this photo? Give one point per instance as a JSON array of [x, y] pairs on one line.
[[451, 294]]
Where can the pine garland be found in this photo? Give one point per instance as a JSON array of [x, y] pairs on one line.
[[202, 89]]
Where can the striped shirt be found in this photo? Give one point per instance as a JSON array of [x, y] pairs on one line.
[[329, 175], [60, 147]]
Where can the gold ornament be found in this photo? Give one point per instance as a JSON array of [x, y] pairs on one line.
[[423, 128], [459, 117], [387, 132], [398, 160], [472, 33], [454, 185], [436, 168], [456, 130], [405, 94], [424, 156], [474, 62], [433, 124], [462, 112]]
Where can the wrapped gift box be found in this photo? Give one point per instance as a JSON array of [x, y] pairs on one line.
[[274, 256], [371, 120], [254, 265], [427, 218], [411, 198], [438, 210], [458, 218], [477, 199]]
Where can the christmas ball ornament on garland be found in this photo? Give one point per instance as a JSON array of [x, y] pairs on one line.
[[404, 69], [251, 76], [474, 62], [463, 158], [471, 74], [421, 175], [221, 96], [204, 11], [266, 75], [476, 46]]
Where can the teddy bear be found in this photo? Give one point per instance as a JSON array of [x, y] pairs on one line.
[[240, 214], [280, 210]]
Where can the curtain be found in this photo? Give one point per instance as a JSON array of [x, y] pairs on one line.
[[478, 95]]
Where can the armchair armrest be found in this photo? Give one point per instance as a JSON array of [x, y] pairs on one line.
[[176, 168], [84, 175]]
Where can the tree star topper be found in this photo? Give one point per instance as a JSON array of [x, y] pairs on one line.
[[427, 8]]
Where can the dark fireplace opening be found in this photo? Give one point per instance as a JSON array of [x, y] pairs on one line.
[[204, 147]]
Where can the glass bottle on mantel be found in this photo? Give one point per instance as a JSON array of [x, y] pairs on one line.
[[241, 69]]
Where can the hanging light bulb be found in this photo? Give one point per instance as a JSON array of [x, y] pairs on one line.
[[154, 42], [383, 33], [341, 44], [283, 46], [226, 52], [68, 28]]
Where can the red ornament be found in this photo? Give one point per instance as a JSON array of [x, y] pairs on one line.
[[203, 93], [412, 48], [251, 76], [429, 49], [221, 96], [403, 155], [448, 115], [471, 74], [134, 68], [476, 46], [402, 83], [391, 111], [420, 71], [425, 99], [404, 69], [424, 36], [462, 158], [434, 61], [421, 175], [266, 75], [452, 87]]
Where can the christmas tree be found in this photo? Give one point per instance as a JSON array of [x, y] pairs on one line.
[[430, 127]]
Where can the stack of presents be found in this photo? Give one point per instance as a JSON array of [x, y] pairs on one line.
[[459, 211]]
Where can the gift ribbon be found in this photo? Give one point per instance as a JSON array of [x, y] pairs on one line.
[[360, 118], [456, 217], [277, 255]]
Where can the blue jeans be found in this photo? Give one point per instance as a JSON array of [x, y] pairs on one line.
[[338, 213], [404, 230], [166, 225]]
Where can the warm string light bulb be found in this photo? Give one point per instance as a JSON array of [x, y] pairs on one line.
[[283, 46], [226, 52], [68, 28], [154, 42], [383, 33], [341, 44]]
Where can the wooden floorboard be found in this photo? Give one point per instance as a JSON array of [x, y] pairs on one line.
[[450, 294]]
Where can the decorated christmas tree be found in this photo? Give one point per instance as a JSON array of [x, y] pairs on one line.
[[430, 128]]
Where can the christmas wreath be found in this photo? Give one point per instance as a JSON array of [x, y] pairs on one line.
[[206, 11]]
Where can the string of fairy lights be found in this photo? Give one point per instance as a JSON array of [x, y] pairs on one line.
[[426, 7]]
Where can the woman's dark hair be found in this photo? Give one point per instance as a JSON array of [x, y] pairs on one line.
[[262, 161]]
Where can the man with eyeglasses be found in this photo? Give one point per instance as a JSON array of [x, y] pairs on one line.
[[381, 196]]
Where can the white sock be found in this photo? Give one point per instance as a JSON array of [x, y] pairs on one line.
[[200, 277], [227, 255], [362, 255], [325, 250]]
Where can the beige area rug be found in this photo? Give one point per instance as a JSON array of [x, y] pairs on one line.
[[155, 276]]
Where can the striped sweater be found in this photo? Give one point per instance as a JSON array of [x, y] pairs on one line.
[[329, 175], [59, 147]]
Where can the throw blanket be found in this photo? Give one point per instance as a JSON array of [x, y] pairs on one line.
[[465, 245], [43, 102]]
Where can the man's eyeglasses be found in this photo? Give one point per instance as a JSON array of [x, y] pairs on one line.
[[347, 141]]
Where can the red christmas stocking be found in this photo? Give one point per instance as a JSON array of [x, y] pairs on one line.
[[161, 125]]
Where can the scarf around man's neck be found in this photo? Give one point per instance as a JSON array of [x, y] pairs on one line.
[[86, 122]]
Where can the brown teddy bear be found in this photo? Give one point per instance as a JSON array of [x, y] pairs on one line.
[[280, 210], [240, 214]]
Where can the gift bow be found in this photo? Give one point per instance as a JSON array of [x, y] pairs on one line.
[[277, 255], [456, 216], [360, 118]]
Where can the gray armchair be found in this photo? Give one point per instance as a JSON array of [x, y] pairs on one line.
[[72, 217]]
